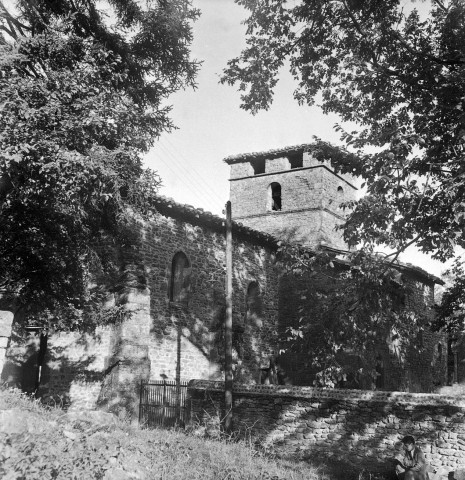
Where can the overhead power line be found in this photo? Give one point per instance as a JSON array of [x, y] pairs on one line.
[[169, 160]]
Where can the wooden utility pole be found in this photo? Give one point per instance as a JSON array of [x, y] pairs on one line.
[[228, 375]]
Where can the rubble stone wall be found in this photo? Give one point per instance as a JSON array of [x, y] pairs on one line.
[[362, 427], [310, 202]]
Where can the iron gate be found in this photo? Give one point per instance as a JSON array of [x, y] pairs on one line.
[[163, 404]]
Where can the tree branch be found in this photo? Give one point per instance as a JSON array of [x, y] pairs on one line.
[[401, 249], [441, 6], [356, 23], [13, 23]]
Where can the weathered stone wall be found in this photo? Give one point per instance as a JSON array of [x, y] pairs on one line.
[[191, 338], [311, 198], [6, 320], [85, 370], [456, 354], [362, 427], [165, 340], [427, 370], [161, 339], [73, 370], [310, 211], [310, 204]]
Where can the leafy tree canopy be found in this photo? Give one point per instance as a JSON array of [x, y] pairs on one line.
[[83, 90], [357, 303], [400, 78]]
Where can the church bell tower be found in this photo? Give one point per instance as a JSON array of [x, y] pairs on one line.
[[290, 194]]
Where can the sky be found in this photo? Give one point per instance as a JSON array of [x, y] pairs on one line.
[[211, 124]]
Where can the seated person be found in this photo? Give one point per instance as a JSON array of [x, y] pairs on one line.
[[413, 464]]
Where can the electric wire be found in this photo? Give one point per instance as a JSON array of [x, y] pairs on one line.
[[165, 158], [191, 170]]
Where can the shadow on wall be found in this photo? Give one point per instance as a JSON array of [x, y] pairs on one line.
[[185, 345], [21, 369], [371, 435], [75, 365], [120, 389], [64, 374], [189, 337], [313, 301], [354, 432]]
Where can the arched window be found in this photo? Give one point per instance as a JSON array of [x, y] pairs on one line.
[[180, 279], [253, 304], [340, 197], [274, 196]]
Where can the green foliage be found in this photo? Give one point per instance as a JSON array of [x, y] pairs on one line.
[[451, 311], [357, 302], [400, 78], [82, 97], [42, 444]]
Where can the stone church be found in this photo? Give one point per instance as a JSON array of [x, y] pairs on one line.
[[175, 327]]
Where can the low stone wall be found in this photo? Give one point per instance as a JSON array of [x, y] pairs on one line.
[[361, 427]]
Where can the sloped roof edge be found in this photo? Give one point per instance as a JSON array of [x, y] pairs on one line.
[[274, 153], [399, 265], [169, 207]]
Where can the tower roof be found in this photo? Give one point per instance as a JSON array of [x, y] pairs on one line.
[[274, 153]]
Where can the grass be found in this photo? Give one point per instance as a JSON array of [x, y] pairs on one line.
[[38, 442], [42, 443]]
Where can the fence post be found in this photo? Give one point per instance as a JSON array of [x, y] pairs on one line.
[[163, 401], [140, 400]]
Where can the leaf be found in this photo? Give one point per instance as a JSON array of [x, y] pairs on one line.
[[76, 120]]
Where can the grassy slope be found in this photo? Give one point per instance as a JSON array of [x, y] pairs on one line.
[[39, 443]]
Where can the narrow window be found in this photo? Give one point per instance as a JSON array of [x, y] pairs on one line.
[[340, 197], [296, 160], [274, 196], [180, 279], [439, 353], [253, 304], [258, 166]]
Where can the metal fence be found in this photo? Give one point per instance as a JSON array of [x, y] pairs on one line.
[[163, 404]]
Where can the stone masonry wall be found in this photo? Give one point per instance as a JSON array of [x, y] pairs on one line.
[[6, 320], [310, 203], [74, 366], [364, 428], [161, 340], [190, 339], [307, 226]]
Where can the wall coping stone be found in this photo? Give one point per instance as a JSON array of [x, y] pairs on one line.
[[372, 396]]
